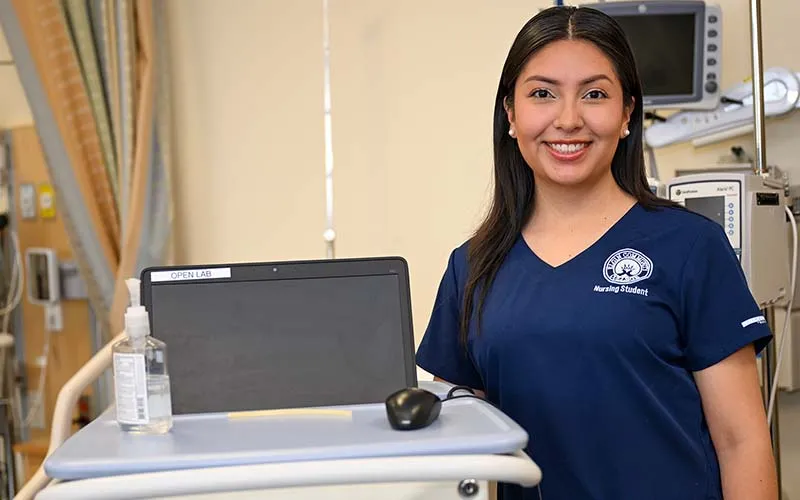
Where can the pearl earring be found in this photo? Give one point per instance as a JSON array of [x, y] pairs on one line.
[[511, 132], [626, 133]]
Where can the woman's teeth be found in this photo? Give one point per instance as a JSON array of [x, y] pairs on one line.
[[567, 148]]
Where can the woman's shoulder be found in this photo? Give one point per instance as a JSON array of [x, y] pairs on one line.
[[682, 220], [686, 235], [457, 263]]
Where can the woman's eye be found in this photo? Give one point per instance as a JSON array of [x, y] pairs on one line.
[[541, 93], [595, 94]]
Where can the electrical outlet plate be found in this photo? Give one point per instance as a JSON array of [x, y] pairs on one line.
[[72, 285], [27, 201], [47, 201], [53, 317]]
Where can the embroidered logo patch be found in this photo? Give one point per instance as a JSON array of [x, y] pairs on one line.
[[627, 266]]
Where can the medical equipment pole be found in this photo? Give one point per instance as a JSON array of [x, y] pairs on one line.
[[758, 87], [761, 169], [329, 234]]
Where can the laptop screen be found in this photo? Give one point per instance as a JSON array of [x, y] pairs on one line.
[[281, 343]]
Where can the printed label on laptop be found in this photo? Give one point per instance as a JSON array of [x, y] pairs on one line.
[[190, 274]]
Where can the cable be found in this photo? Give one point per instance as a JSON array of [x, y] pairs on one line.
[[16, 283], [787, 319], [38, 404], [15, 290], [451, 394]]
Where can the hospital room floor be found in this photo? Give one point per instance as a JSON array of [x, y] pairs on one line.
[[789, 422]]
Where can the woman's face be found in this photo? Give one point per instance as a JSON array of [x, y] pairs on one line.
[[568, 113]]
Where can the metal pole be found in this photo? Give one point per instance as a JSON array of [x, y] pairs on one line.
[[758, 87], [769, 359], [769, 376], [329, 235]]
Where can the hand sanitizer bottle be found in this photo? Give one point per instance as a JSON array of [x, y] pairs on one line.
[[141, 380]]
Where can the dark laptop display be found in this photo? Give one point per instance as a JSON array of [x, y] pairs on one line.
[[283, 335]]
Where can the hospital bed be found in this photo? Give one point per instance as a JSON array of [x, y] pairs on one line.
[[214, 456]]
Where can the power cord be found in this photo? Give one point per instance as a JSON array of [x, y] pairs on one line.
[[451, 394], [787, 319]]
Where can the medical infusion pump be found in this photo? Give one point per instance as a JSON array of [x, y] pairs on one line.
[[751, 210]]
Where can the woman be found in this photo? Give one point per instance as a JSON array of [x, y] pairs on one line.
[[615, 327]]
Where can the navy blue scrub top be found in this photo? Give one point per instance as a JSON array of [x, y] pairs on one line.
[[594, 357]]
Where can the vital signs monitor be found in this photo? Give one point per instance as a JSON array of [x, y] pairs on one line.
[[750, 208], [678, 49]]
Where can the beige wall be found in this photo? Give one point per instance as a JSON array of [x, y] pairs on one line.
[[248, 104]]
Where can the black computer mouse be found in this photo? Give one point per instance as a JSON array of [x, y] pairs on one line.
[[412, 408]]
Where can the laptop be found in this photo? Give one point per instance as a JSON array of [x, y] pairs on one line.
[[277, 335]]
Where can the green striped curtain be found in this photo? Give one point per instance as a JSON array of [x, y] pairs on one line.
[[96, 77]]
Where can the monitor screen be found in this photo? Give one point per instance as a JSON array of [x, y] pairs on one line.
[[664, 47], [712, 207], [281, 343]]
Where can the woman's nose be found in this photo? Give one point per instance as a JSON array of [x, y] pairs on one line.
[[569, 117]]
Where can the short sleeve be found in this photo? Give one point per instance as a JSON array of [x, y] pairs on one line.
[[720, 314], [440, 352]]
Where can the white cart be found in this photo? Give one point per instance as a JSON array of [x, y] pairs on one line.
[[351, 455]]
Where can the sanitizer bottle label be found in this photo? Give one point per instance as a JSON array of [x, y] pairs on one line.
[[130, 389]]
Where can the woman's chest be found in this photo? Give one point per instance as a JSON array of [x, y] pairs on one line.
[[620, 305]]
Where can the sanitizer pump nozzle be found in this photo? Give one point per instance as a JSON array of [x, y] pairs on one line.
[[137, 323]]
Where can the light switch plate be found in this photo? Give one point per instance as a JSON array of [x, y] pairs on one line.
[[27, 201], [47, 201]]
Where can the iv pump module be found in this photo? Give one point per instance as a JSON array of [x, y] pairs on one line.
[[141, 381]]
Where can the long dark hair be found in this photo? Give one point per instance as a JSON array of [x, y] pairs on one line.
[[513, 179]]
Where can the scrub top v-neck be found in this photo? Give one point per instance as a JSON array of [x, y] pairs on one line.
[[594, 356]]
